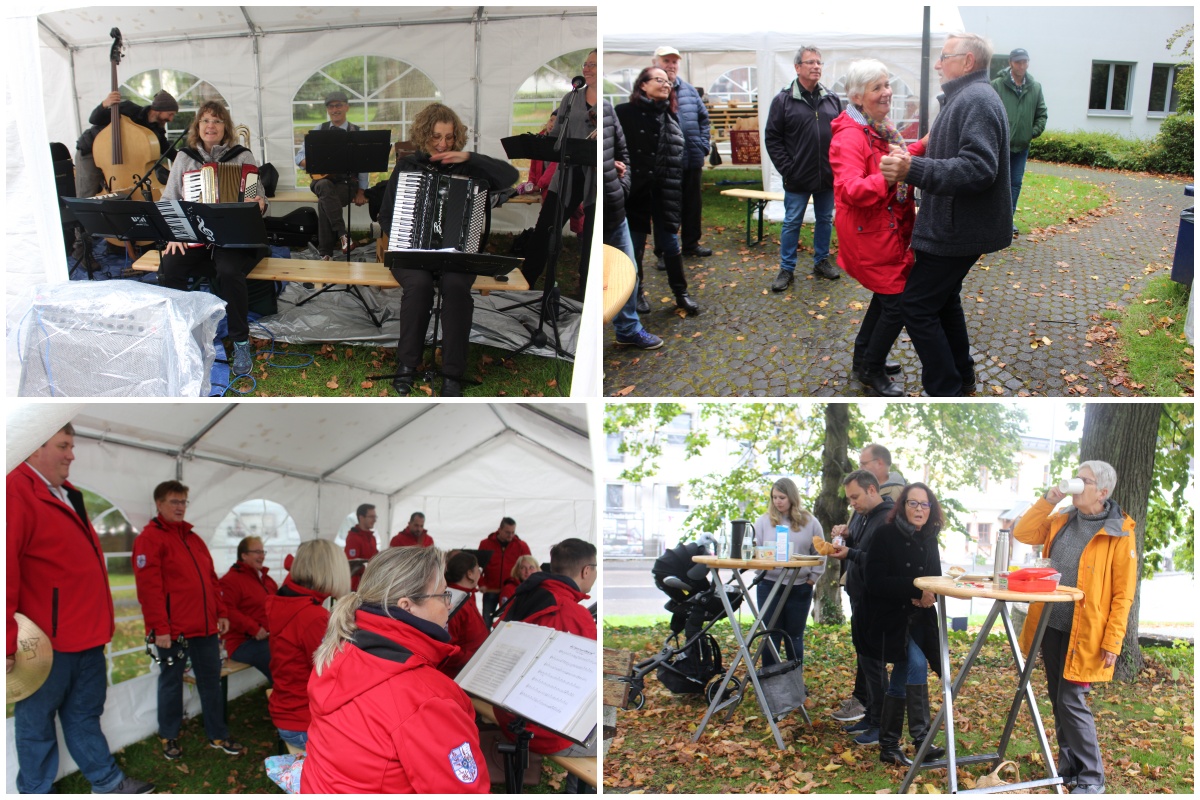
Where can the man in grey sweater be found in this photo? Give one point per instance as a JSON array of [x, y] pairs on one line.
[[966, 211]]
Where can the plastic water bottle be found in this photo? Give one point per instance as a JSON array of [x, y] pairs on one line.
[[748, 546]]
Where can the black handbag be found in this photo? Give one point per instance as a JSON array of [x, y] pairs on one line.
[[783, 682], [714, 157]]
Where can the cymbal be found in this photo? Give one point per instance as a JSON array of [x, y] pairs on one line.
[[620, 276], [34, 657]]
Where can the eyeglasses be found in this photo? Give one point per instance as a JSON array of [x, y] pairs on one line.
[[589, 65], [1086, 481], [813, 63], [179, 503], [446, 596], [663, 81], [944, 56], [862, 463], [915, 504]]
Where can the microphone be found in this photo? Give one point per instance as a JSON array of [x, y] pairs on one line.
[[578, 82]]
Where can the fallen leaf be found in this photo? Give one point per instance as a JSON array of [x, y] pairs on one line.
[[332, 383], [625, 391]]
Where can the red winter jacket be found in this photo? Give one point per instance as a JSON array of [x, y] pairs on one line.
[[55, 568], [406, 539], [551, 601], [874, 228], [467, 630], [508, 589], [385, 720], [502, 563], [246, 601], [297, 622], [361, 544], [176, 583]]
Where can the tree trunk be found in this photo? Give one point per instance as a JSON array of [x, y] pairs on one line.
[[830, 509], [1125, 435]]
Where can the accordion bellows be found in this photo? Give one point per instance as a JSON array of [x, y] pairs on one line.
[[438, 212], [221, 183]]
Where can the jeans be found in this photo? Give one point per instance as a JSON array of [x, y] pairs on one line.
[[294, 738], [75, 690], [918, 665], [626, 321], [256, 653], [792, 620], [1016, 165], [205, 654], [933, 315], [794, 206]]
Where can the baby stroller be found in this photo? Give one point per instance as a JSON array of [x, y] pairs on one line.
[[690, 658]]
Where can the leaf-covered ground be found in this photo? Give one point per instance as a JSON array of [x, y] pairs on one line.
[[1145, 730]]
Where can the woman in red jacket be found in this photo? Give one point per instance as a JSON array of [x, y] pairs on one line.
[[874, 218], [525, 566], [246, 587], [466, 626], [298, 617], [384, 718]]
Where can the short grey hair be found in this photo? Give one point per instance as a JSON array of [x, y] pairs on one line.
[[976, 45], [861, 75], [1106, 476], [806, 49]]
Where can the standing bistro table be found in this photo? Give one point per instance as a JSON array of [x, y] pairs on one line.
[[791, 570], [943, 588]]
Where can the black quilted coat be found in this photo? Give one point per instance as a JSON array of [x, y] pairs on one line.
[[656, 149], [615, 189]]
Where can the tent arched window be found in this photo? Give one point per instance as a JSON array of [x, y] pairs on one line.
[[618, 85], [905, 110], [541, 93], [351, 519], [191, 92], [739, 85], [384, 93], [260, 517]]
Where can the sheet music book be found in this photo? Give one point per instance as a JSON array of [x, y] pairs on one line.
[[546, 676]]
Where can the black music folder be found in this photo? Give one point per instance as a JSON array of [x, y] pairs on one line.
[[221, 224], [335, 151], [544, 148]]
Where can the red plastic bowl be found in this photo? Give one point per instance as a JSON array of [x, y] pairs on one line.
[[1034, 579]]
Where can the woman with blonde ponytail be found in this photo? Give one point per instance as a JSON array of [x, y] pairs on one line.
[[384, 719]]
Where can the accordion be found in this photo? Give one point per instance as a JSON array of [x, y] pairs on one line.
[[221, 183], [438, 212]]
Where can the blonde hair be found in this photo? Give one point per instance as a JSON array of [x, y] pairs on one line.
[[431, 115], [395, 573], [319, 565], [797, 516], [522, 561]]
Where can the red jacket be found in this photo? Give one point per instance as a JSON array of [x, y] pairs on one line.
[[176, 583], [406, 539], [246, 594], [874, 228], [361, 544], [502, 563], [508, 589], [467, 630], [55, 568], [385, 720], [297, 621], [547, 600]]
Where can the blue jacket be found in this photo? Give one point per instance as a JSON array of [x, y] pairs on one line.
[[693, 119]]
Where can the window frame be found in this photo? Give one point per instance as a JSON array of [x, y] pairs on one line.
[[1108, 110], [1172, 96]]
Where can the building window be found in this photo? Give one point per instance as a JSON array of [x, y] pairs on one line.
[[1111, 84], [678, 429], [983, 479], [191, 93], [1014, 485], [614, 496], [984, 530], [1163, 98], [612, 445], [673, 501]]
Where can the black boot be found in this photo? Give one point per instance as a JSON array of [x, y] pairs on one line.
[[451, 387], [687, 304], [643, 303], [403, 382], [891, 726], [856, 368], [678, 283], [879, 384], [917, 703]]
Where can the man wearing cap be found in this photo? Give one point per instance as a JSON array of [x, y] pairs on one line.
[[162, 109], [69, 599], [335, 192], [693, 120], [1026, 109]]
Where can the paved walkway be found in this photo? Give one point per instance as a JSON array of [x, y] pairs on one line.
[[750, 342]]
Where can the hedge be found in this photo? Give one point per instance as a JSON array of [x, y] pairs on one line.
[[1171, 151]]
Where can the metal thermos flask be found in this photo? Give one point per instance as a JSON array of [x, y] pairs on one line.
[[1001, 565]]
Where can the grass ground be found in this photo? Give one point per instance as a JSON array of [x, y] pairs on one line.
[[1146, 730], [1153, 340]]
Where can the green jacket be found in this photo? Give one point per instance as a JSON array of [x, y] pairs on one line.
[[1026, 109]]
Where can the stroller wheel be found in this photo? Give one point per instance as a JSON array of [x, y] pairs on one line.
[[734, 687], [637, 700]]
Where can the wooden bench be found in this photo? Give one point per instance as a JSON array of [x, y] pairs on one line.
[[356, 273], [228, 668], [753, 197], [586, 769]]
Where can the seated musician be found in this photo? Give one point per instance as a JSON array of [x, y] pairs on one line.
[[211, 139], [162, 109], [335, 192], [439, 136], [465, 626]]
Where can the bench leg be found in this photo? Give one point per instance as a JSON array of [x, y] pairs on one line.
[[225, 705], [762, 205], [749, 219]]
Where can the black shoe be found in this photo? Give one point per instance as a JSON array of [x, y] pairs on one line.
[[823, 269], [891, 368], [129, 785], [403, 382], [699, 251], [171, 750], [643, 304], [970, 382], [888, 369], [687, 304], [783, 280], [451, 387], [880, 384], [1016, 232], [660, 265]]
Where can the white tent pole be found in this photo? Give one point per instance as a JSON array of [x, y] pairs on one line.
[[480, 18], [534, 409], [317, 511], [200, 434], [555, 453], [28, 426], [255, 35]]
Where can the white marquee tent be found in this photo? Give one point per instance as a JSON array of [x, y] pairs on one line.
[[464, 465]]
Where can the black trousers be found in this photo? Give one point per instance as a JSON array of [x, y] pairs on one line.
[[536, 255], [332, 197], [933, 315], [229, 265], [692, 208], [882, 324], [416, 305]]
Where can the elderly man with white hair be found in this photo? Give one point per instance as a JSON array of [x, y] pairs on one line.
[[1092, 545], [693, 120]]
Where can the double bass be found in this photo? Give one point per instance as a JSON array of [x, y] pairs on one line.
[[125, 151]]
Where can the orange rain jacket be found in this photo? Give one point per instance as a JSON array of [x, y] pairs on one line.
[[1108, 573]]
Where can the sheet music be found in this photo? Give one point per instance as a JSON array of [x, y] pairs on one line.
[[554, 688], [497, 666]]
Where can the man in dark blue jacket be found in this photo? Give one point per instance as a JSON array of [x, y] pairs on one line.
[[693, 119]]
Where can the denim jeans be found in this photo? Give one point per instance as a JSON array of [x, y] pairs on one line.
[[626, 321], [792, 620], [664, 241], [205, 654], [294, 738], [256, 653], [75, 690], [794, 206], [1016, 165], [918, 665]]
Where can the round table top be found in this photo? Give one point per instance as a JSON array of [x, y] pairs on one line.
[[620, 276], [945, 586], [759, 563]]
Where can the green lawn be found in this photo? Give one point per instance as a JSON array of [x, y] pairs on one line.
[[1154, 342]]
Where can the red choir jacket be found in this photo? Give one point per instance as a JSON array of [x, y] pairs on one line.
[[502, 563], [508, 589], [406, 539], [361, 544], [245, 596], [386, 720], [297, 621], [176, 583], [55, 568], [553, 602], [467, 630]]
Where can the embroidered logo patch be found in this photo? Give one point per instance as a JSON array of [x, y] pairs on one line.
[[462, 761], [141, 561], [353, 553]]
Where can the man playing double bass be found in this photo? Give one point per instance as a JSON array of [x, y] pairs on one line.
[[89, 180]]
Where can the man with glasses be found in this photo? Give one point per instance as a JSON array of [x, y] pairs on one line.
[[1026, 109], [335, 192], [798, 134], [184, 614], [877, 460], [693, 120], [245, 589], [57, 577], [966, 211]]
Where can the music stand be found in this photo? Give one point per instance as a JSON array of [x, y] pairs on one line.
[[237, 225], [337, 152]]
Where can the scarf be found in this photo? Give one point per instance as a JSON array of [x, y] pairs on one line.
[[887, 131]]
